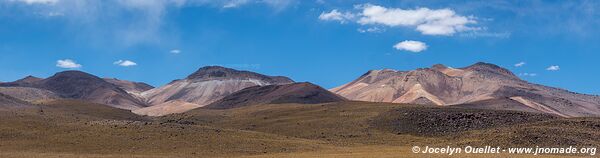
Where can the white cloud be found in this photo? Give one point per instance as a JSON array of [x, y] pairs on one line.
[[175, 51], [277, 5], [520, 64], [38, 1], [335, 15], [371, 30], [425, 20], [125, 63], [68, 64], [484, 33], [413, 46], [234, 3], [528, 74], [553, 68]]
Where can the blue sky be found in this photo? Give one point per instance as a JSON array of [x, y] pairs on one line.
[[329, 43]]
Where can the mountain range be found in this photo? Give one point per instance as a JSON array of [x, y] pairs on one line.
[[481, 85]]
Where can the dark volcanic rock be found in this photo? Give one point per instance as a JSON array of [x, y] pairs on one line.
[[491, 68], [217, 72], [450, 121]]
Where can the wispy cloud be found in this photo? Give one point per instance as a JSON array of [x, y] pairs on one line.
[[175, 51], [125, 63], [371, 30], [427, 21], [553, 68], [520, 64], [484, 33], [528, 74], [68, 64], [279, 5], [103, 21], [38, 1], [235, 3], [412, 46]]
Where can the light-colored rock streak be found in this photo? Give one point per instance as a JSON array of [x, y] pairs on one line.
[[538, 106], [453, 72], [416, 92], [170, 107]]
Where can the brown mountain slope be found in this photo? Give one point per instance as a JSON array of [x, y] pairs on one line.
[[83, 86], [203, 87], [7, 101], [24, 82], [129, 86], [481, 83], [134, 89], [302, 93], [80, 85], [29, 94]]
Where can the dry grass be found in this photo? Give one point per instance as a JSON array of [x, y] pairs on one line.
[[389, 152], [354, 129]]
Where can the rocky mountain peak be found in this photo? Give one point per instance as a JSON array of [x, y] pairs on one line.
[[74, 74], [439, 66], [29, 79], [209, 72], [24, 82], [376, 75], [75, 84], [388, 70], [490, 68], [218, 72], [379, 72], [484, 65], [81, 85]]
